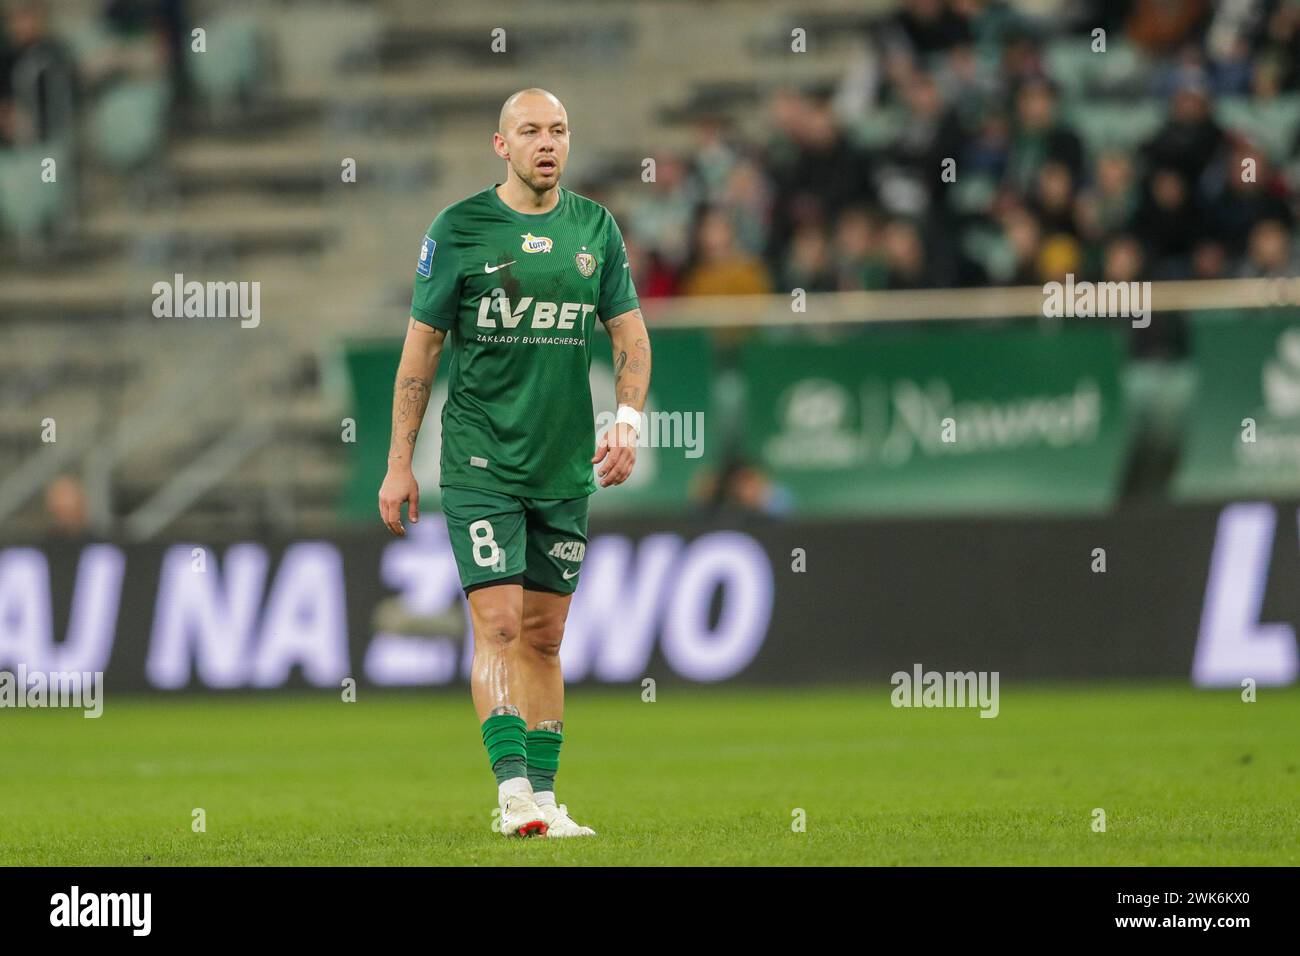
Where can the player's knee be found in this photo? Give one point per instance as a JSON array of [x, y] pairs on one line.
[[498, 626], [544, 634]]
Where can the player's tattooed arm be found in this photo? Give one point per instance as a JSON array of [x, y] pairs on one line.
[[631, 344], [616, 451], [415, 370]]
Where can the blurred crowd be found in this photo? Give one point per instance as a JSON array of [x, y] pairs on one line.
[[37, 78], [86, 90], [43, 78], [837, 199]]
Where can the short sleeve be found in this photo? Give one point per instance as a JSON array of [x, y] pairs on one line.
[[436, 299], [617, 293]]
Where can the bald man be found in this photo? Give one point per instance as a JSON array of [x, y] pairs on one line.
[[512, 281]]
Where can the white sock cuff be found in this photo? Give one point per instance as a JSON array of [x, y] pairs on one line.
[[545, 798], [514, 787]]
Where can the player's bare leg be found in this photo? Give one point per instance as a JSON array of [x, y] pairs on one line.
[[500, 697], [537, 654]]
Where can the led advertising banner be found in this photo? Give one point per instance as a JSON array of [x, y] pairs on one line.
[[1200, 593]]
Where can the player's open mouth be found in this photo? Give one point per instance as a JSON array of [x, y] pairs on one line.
[[546, 165]]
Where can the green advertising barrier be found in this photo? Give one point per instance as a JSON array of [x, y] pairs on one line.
[[678, 438], [942, 419], [1243, 427]]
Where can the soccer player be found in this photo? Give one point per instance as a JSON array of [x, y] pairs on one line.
[[511, 281]]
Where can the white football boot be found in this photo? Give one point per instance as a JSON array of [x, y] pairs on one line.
[[520, 814], [558, 822]]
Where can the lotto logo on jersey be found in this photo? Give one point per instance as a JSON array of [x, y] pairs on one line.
[[425, 265], [568, 550], [533, 243]]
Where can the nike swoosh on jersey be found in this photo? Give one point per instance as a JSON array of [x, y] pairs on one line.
[[491, 268], [566, 575]]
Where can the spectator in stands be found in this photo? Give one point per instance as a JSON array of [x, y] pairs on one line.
[[747, 194], [1282, 44], [1021, 58], [1168, 224], [1109, 205], [1233, 74], [165, 24], [966, 85], [37, 79], [714, 154], [931, 135], [1161, 26], [987, 145], [815, 171], [1270, 253], [1053, 201], [1189, 138], [1040, 137], [930, 27], [909, 267], [718, 267], [808, 264], [1022, 234], [1242, 189], [739, 489], [65, 504], [1209, 261], [1123, 261], [663, 218], [857, 259]]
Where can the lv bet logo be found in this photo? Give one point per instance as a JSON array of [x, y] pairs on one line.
[[541, 315]]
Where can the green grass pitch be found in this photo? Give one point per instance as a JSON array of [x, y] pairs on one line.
[[701, 776]]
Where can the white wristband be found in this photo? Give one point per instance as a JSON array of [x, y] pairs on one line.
[[628, 415]]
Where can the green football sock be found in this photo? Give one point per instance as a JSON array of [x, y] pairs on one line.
[[505, 740], [543, 758]]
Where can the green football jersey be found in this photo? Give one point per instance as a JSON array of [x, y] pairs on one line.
[[519, 296]]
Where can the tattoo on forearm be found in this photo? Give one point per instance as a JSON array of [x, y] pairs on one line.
[[409, 405], [412, 398], [632, 371], [640, 361]]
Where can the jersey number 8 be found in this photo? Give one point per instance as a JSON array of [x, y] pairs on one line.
[[486, 552]]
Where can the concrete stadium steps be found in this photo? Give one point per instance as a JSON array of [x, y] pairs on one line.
[[123, 290], [219, 223], [306, 161], [289, 482], [287, 166]]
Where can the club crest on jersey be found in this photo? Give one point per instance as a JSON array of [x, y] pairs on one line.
[[586, 264], [536, 243], [425, 265]]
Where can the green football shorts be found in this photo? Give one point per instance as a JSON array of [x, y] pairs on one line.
[[501, 539]]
